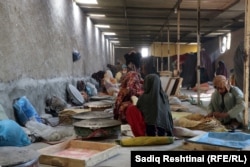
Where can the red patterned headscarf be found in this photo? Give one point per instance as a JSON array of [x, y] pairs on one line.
[[132, 85]]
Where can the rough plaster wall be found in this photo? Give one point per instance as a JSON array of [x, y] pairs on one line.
[[228, 57], [37, 40], [35, 90], [39, 37]]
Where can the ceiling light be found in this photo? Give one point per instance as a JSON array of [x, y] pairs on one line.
[[102, 26], [109, 33], [86, 1], [115, 41], [96, 15]]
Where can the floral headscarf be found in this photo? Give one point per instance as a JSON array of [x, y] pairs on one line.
[[131, 85]]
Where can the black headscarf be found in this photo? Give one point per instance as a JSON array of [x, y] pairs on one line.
[[154, 104], [134, 58], [221, 69]]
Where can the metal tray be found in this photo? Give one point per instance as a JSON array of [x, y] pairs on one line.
[[99, 104], [75, 95], [92, 115], [100, 97], [97, 123], [93, 128]]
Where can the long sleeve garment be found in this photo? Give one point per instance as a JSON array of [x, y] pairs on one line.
[[234, 103], [154, 104]]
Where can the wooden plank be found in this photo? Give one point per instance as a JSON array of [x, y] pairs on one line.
[[164, 82], [90, 145], [60, 161], [246, 63], [166, 73], [176, 87], [170, 86], [77, 153]]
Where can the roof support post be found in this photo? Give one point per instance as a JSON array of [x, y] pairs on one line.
[[246, 61], [198, 51]]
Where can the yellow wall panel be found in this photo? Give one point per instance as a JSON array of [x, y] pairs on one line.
[[161, 49]]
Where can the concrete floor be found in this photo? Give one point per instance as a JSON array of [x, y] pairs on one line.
[[122, 159]]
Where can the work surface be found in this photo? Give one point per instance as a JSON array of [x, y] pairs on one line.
[[122, 159]]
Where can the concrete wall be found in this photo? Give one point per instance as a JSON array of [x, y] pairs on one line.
[[37, 40]]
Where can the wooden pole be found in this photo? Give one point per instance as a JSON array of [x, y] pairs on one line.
[[157, 65], [246, 62], [178, 40], [168, 50], [161, 51], [198, 51]]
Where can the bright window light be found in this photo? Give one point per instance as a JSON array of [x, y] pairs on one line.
[[86, 1], [144, 52], [225, 43], [102, 26], [228, 41]]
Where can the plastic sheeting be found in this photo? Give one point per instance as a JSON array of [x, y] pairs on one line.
[[238, 140]]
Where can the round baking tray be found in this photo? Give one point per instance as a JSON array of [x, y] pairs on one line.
[[99, 104], [92, 128], [92, 115]]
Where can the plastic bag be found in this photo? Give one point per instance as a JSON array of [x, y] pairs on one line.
[[24, 111], [47, 132], [91, 89], [12, 134]]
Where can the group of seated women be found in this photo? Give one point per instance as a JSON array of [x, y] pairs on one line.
[[141, 103]]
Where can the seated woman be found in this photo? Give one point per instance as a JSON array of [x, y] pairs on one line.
[[110, 83], [120, 74], [155, 118], [131, 86], [221, 69]]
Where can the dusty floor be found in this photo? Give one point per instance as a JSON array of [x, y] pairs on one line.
[[122, 159], [123, 156]]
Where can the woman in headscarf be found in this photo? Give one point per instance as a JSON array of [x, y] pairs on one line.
[[227, 103], [221, 69], [155, 108], [120, 74], [132, 85], [133, 60], [110, 83]]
